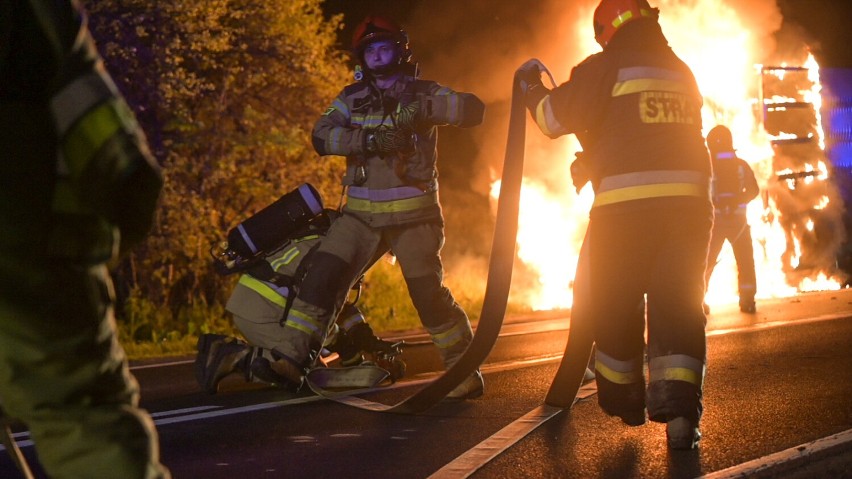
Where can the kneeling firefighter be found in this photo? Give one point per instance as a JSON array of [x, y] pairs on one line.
[[264, 293]]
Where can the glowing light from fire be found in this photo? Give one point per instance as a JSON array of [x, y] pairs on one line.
[[712, 39]]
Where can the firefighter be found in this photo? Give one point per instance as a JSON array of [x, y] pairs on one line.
[[385, 124], [732, 186], [259, 304], [635, 108], [79, 186]]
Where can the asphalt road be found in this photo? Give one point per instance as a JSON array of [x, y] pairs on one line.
[[777, 404]]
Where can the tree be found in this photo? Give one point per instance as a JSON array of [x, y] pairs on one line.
[[227, 91]]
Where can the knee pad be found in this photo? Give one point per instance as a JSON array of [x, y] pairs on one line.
[[324, 281]]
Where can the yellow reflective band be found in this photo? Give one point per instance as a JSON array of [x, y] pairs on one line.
[[263, 289], [640, 85], [89, 134], [448, 338], [678, 374], [631, 193], [618, 377], [546, 120], [285, 259], [620, 19], [395, 206], [302, 322]]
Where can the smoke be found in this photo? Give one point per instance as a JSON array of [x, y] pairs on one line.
[[477, 45]]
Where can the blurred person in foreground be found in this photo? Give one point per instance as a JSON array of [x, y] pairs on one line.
[[79, 188], [635, 108], [733, 186], [385, 124]]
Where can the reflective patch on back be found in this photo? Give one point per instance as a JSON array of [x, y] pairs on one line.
[[667, 107]]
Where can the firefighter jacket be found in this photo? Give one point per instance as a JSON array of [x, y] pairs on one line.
[[733, 184], [402, 187], [635, 107], [275, 280], [78, 175]]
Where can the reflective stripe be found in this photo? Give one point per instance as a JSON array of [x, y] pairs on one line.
[[449, 338], [651, 184], [619, 372], [639, 79], [77, 98], [246, 238], [304, 323], [648, 191], [726, 155], [285, 258], [453, 113], [352, 320], [277, 295], [546, 120], [389, 194], [88, 135], [374, 120], [394, 206], [646, 84], [677, 367], [310, 199], [623, 17], [341, 106], [332, 144]]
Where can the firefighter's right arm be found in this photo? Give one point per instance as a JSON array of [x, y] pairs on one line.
[[104, 148], [334, 134]]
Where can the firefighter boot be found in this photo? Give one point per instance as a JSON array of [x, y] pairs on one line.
[[278, 372], [473, 386], [748, 306], [681, 433], [470, 388], [226, 356], [344, 345], [206, 342]]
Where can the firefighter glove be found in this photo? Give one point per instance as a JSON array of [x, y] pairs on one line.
[[529, 75], [408, 116], [389, 140]]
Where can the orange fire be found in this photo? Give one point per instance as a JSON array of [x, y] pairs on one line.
[[713, 38]]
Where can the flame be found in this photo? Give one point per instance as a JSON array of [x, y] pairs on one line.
[[710, 37]]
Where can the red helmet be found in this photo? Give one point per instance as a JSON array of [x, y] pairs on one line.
[[613, 14], [375, 28], [720, 139]]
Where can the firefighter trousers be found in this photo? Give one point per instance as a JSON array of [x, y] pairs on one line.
[[348, 250], [734, 229], [64, 374], [646, 270]]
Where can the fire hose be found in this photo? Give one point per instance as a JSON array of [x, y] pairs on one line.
[[12, 447], [498, 280]]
